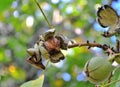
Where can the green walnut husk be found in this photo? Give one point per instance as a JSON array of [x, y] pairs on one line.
[[117, 60], [98, 69], [115, 57]]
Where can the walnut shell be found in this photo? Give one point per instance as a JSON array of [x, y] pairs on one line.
[[98, 69]]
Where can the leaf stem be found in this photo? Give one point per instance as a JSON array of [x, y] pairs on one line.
[[111, 83], [43, 14], [46, 66]]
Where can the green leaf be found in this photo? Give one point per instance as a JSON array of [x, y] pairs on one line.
[[118, 83], [2, 77], [5, 4], [34, 83]]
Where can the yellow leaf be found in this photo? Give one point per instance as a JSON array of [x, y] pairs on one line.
[[34, 83]]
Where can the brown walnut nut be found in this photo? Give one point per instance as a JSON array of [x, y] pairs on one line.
[[52, 44], [47, 47]]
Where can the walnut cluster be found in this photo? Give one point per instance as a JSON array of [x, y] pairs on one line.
[[49, 47]]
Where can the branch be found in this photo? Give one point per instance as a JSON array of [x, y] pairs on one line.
[[106, 48], [94, 44]]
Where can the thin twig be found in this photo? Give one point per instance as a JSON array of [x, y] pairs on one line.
[[117, 45], [109, 34], [111, 83], [109, 79], [43, 14]]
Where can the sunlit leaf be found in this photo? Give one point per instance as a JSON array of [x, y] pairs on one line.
[[34, 83], [5, 4]]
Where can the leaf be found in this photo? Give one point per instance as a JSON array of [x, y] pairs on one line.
[[2, 77], [34, 83], [5, 4], [118, 83]]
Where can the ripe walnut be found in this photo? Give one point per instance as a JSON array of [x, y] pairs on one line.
[[52, 44], [47, 47]]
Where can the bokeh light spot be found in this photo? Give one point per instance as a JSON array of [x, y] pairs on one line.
[[115, 63], [116, 5], [46, 6], [80, 76], [96, 49], [78, 31], [29, 21], [12, 68], [58, 83], [55, 1], [113, 39], [16, 14], [66, 1], [69, 9], [59, 64], [14, 4], [97, 27], [66, 77]]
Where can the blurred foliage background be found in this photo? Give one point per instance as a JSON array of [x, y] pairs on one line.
[[21, 23]]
